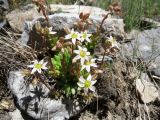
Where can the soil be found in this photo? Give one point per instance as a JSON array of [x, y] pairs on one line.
[[118, 97]]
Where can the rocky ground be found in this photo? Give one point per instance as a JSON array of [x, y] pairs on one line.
[[128, 89]]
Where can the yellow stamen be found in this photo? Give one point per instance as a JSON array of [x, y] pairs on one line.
[[82, 53], [87, 84], [38, 66]]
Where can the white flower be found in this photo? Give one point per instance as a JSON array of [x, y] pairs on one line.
[[88, 63], [85, 36], [87, 84], [38, 66], [113, 41], [50, 31], [74, 36], [82, 54]]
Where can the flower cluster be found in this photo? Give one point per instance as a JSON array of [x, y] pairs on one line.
[[83, 56], [72, 67], [74, 35]]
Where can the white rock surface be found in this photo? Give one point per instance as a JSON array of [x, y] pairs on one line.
[[64, 16], [147, 90], [16, 115], [17, 17], [77, 9], [4, 4], [146, 46], [33, 100], [67, 18]]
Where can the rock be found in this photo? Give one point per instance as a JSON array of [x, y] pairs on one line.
[[5, 117], [64, 16], [4, 4], [17, 17], [3, 23], [69, 14], [32, 100], [155, 71], [61, 20], [147, 90], [76, 9], [16, 115], [146, 46]]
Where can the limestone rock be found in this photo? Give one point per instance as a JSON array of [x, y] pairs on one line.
[[17, 17], [4, 4], [2, 24], [147, 90], [16, 115], [146, 46], [76, 9], [66, 15], [5, 117], [33, 100]]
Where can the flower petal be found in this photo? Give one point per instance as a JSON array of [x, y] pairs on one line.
[[85, 49], [87, 53], [33, 70], [39, 70], [82, 61], [72, 31], [89, 77], [92, 88], [81, 79], [93, 82], [41, 62], [80, 84], [52, 32], [76, 57], [88, 35], [88, 68], [79, 47], [44, 64], [35, 61], [76, 51], [44, 68], [67, 36], [88, 40], [74, 41], [93, 65], [80, 38], [85, 90], [30, 66], [83, 66]]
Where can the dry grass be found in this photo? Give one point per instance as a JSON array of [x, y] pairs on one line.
[[13, 56]]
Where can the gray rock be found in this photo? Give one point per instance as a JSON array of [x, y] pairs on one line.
[[146, 45], [77, 9], [69, 14], [3, 23], [33, 100], [16, 115], [5, 117], [17, 17], [64, 16], [147, 90], [155, 71], [4, 4]]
